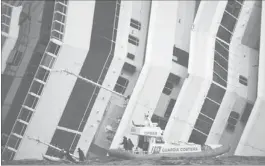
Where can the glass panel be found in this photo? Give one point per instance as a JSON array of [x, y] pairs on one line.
[[4, 28], [220, 60], [53, 48], [218, 80], [13, 142], [59, 17], [209, 108], [60, 7], [19, 128], [182, 56], [122, 81], [130, 56], [3, 39], [197, 137], [61, 139], [6, 10], [203, 126], [36, 88], [42, 74], [220, 71], [232, 121], [135, 24], [7, 155], [170, 107], [246, 113], [47, 61], [233, 8], [169, 85], [57, 35], [58, 26], [133, 40], [119, 89], [174, 79], [216, 93], [25, 114], [230, 127], [228, 22], [127, 67], [5, 19], [31, 101], [167, 91], [224, 34], [234, 115], [75, 142]]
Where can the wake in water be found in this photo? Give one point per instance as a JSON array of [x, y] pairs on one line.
[[235, 160]]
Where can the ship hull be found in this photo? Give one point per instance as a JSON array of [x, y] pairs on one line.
[[128, 155]]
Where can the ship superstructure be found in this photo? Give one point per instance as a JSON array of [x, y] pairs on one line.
[[89, 68]]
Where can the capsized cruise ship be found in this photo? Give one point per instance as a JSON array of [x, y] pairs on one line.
[[76, 74]]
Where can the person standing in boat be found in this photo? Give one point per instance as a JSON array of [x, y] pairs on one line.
[[130, 144], [125, 143]]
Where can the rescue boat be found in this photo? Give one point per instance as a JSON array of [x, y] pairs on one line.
[[152, 145]]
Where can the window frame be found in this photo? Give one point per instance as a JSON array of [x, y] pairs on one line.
[[133, 40]]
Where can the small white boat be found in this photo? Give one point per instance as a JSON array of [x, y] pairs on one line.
[[152, 145]]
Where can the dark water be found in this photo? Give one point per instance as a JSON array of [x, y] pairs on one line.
[[232, 160]]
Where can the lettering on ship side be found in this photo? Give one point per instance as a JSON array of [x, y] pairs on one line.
[[175, 149]]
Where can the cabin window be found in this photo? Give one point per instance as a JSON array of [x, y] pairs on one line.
[[8, 154], [31, 101], [60, 7], [47, 60], [53, 48], [59, 17], [233, 8], [159, 141], [121, 85], [57, 35], [243, 80], [135, 24], [133, 40], [203, 124], [168, 88], [130, 56], [216, 93], [42, 74], [129, 68], [222, 48], [13, 142], [170, 108], [36, 87], [25, 114], [58, 26], [182, 57], [232, 121], [246, 113], [197, 137], [19, 128], [64, 140]]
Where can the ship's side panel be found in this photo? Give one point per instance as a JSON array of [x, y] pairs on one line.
[[252, 139], [242, 75], [196, 86], [158, 63], [121, 27], [9, 32], [71, 55]]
